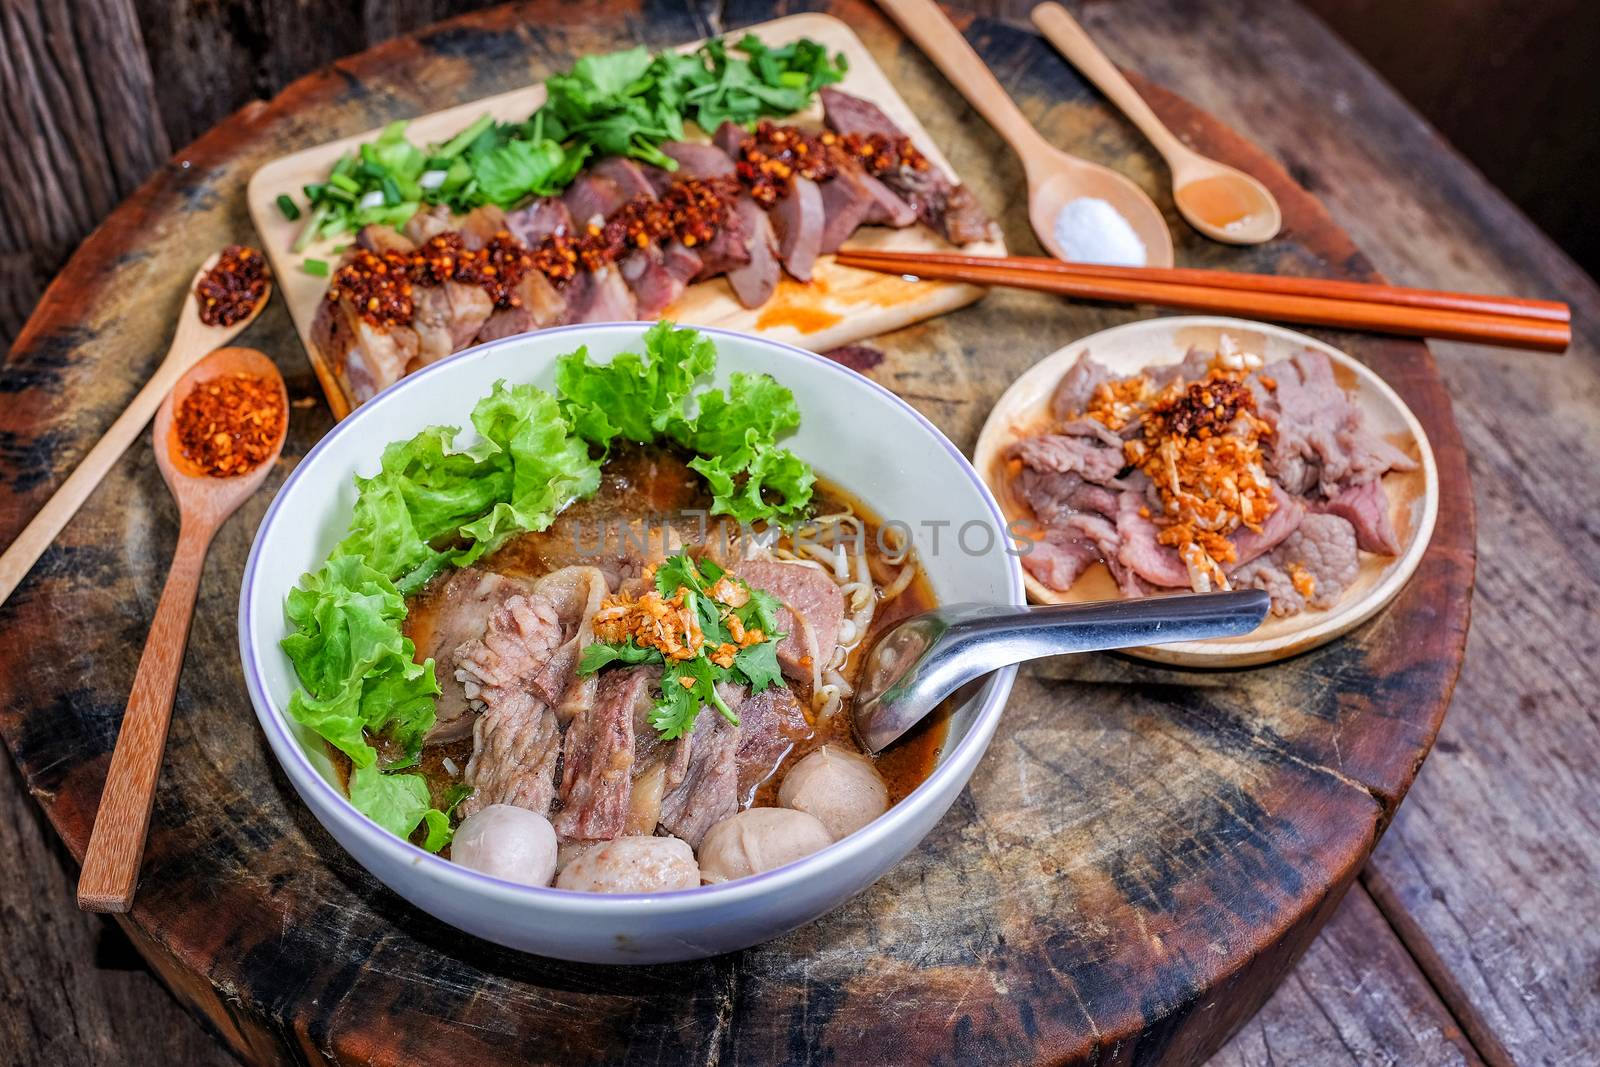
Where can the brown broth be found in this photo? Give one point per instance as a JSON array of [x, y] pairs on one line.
[[656, 482]]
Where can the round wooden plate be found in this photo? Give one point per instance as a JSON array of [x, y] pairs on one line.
[[1140, 857], [1413, 495]]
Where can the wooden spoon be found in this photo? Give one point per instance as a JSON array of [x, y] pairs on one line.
[[111, 865], [192, 341], [1220, 201], [1054, 177]]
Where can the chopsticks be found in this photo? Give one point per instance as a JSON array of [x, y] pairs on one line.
[[1510, 322]]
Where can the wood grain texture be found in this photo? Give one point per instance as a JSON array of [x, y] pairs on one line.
[[1491, 868], [1355, 997], [1142, 855], [80, 131]]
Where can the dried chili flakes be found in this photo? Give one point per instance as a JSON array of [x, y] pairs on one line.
[[229, 291], [229, 424]]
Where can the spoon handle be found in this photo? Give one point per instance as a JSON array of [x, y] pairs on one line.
[[116, 846], [20, 556], [1067, 628], [1063, 31], [926, 24]]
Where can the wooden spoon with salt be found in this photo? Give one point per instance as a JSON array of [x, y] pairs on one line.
[[1055, 178], [1220, 201], [192, 340], [116, 847]]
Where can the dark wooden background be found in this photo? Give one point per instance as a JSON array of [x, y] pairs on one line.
[[1469, 938], [97, 93]]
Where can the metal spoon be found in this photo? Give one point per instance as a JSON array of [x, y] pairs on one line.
[[919, 662], [1220, 201], [1054, 177]]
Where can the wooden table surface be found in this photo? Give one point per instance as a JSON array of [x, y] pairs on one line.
[[1461, 941]]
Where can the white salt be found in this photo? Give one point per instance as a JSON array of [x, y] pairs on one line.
[[1089, 230]]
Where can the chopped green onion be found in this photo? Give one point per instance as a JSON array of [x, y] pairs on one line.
[[318, 267], [287, 206], [391, 191], [345, 182], [458, 144]]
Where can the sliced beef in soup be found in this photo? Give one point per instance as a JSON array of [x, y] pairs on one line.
[[771, 723], [709, 791], [516, 739], [813, 611], [461, 613], [597, 757]]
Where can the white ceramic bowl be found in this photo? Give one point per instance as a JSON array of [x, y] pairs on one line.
[[854, 432]]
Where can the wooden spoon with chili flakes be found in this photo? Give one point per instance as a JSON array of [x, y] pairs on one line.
[[227, 293], [217, 435]]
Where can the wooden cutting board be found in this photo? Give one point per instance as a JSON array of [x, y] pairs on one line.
[[838, 306], [1140, 857]]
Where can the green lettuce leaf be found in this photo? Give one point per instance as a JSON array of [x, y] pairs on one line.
[[357, 670], [634, 397], [396, 802], [524, 432]]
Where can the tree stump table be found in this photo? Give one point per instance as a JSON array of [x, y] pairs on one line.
[[1140, 857]]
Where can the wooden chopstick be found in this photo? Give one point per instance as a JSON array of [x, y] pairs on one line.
[[1515, 323]]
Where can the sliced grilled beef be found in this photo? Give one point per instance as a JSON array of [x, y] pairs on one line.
[[448, 318], [539, 304], [708, 791], [599, 296], [591, 199], [539, 219], [597, 757], [813, 610], [948, 208], [681, 262], [850, 114], [479, 225], [629, 177], [701, 160], [653, 285], [797, 222], [429, 222], [845, 204], [888, 208], [730, 248], [729, 136], [755, 280], [371, 359]]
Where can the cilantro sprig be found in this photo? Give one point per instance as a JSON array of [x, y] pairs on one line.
[[690, 684]]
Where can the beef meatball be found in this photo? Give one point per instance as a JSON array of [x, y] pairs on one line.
[[841, 788], [632, 865], [507, 842], [757, 840]]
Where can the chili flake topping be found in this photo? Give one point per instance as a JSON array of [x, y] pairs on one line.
[[771, 158], [230, 291], [230, 424]]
